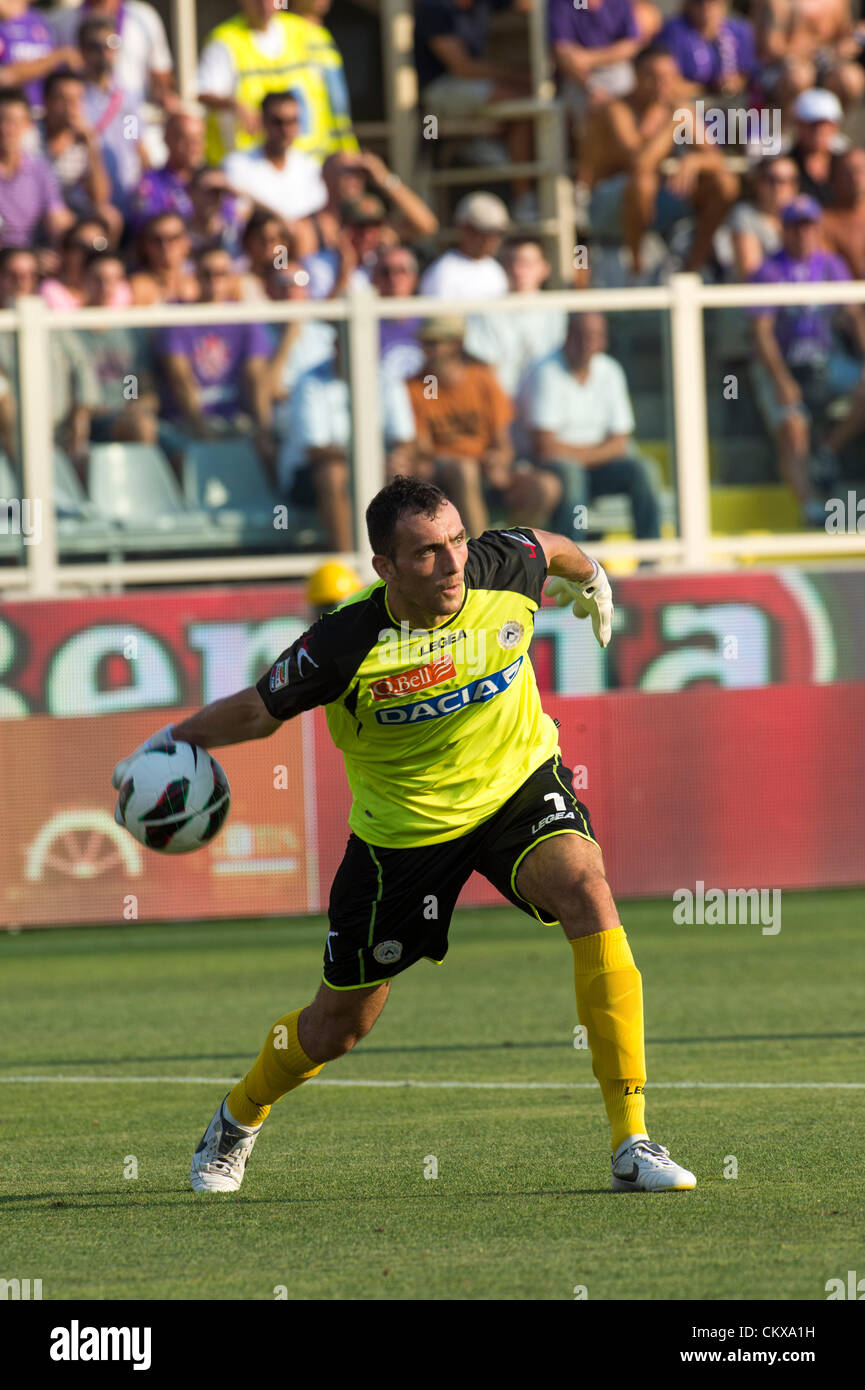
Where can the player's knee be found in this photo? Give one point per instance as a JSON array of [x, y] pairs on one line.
[[589, 898], [330, 1027]]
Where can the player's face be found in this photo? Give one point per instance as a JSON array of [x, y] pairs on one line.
[[426, 574]]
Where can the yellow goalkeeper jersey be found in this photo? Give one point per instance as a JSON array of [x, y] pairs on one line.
[[439, 726]]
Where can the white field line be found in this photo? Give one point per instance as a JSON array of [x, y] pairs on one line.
[[447, 1085]]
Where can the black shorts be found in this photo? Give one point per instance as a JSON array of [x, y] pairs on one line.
[[390, 907]]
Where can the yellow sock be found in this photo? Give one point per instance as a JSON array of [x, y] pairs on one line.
[[610, 1007], [280, 1066]]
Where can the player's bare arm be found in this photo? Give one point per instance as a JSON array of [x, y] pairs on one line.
[[235, 719], [564, 557]]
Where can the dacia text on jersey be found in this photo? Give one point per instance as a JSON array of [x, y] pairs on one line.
[[476, 692]]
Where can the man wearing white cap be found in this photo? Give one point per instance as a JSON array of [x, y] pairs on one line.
[[471, 270], [818, 115]]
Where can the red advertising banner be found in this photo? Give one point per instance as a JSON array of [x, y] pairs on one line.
[[742, 789], [64, 859], [155, 651]]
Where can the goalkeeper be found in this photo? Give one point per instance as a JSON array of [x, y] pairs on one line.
[[429, 693]]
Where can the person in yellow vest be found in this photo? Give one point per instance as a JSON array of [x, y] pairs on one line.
[[265, 49], [329, 59]]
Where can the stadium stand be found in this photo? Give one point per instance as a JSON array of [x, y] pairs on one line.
[[223, 167]]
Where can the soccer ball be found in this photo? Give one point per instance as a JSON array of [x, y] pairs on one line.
[[174, 799]]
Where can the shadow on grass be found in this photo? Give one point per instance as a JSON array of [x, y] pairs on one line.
[[172, 1198], [395, 1050]]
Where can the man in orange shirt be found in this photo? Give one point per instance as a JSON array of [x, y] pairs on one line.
[[463, 422]]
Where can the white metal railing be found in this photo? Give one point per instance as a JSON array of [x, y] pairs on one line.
[[685, 298]]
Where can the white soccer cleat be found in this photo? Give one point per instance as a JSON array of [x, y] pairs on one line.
[[640, 1166], [219, 1161]]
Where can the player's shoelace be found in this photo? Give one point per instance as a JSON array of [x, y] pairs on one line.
[[656, 1151]]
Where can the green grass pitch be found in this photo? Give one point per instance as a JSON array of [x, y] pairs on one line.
[[335, 1204]]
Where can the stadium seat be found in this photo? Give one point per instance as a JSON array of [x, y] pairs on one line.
[[133, 486], [81, 529], [225, 478], [10, 543]]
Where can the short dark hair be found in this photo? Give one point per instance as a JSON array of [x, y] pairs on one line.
[[277, 99], [72, 233], [259, 219], [146, 227], [14, 96], [94, 24], [523, 240], [55, 78], [210, 248], [401, 495], [100, 257], [652, 50], [7, 253]]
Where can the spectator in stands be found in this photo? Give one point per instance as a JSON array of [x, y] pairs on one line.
[[105, 281], [818, 117], [395, 276], [218, 374], [298, 346], [314, 469], [346, 241], [72, 388], [327, 60], [463, 425], [314, 457], [216, 215], [266, 50], [471, 269], [70, 145], [29, 52], [167, 189], [755, 224], [278, 176], [128, 404], [816, 40], [163, 275], [349, 176], [800, 366], [713, 52], [114, 114], [844, 222], [514, 343], [68, 288], [456, 79], [631, 139], [144, 68], [583, 421], [31, 203], [19, 275], [593, 46], [367, 234], [266, 243]]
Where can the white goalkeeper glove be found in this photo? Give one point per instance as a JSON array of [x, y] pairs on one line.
[[592, 599], [156, 741]]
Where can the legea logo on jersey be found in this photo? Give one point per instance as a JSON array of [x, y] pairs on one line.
[[443, 669], [476, 692]]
